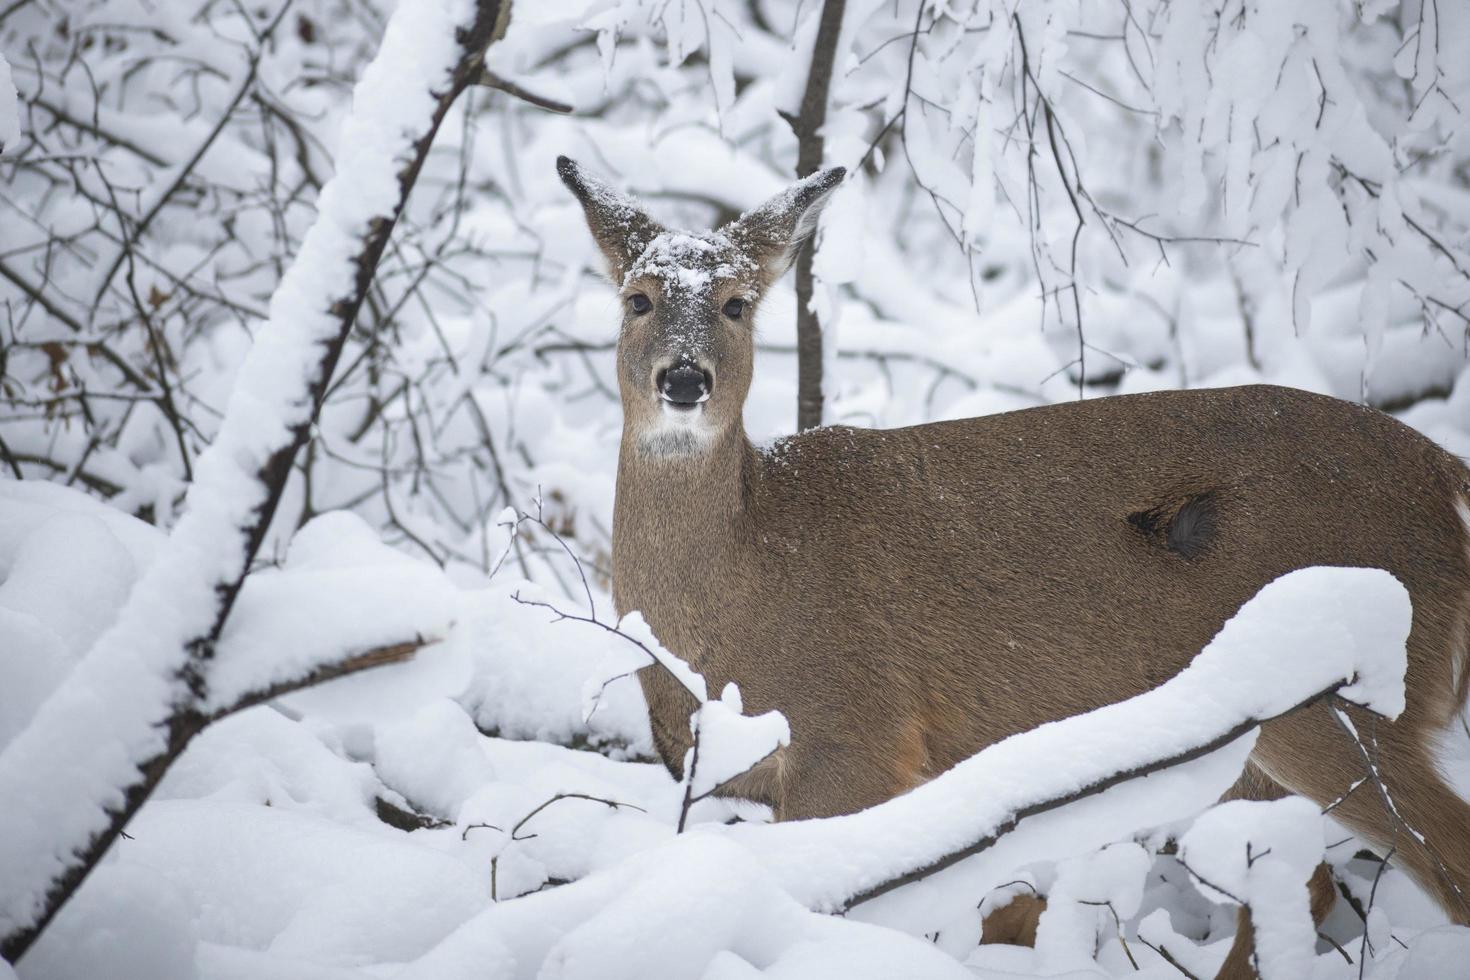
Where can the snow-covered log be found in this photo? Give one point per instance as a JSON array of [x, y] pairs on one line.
[[100, 744]]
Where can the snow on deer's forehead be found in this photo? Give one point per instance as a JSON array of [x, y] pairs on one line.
[[689, 264]]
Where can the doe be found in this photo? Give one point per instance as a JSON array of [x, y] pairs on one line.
[[907, 597]]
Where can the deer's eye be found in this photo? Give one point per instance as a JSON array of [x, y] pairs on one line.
[[639, 304], [734, 308]]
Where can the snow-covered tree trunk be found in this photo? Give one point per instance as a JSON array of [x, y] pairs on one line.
[[98, 747]]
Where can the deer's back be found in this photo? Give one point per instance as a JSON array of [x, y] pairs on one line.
[[945, 585]]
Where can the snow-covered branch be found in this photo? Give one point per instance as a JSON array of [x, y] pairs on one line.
[[103, 740], [1306, 635], [1260, 855]]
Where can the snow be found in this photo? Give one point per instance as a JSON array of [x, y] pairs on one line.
[[379, 596], [1261, 855], [297, 885], [71, 770], [131, 923], [263, 757], [9, 108], [688, 265], [433, 758], [68, 577], [1089, 891], [1437, 952], [730, 742], [535, 678]]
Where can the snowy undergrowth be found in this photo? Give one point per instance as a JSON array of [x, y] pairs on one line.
[[276, 847]]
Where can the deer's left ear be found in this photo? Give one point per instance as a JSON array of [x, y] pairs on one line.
[[772, 233], [618, 223]]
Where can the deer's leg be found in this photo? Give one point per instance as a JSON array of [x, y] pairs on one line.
[[1256, 785], [1237, 965], [824, 778], [669, 707], [1014, 923]]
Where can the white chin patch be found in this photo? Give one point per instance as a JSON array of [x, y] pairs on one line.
[[676, 432]]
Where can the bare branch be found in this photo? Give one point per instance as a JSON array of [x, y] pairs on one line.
[[489, 79]]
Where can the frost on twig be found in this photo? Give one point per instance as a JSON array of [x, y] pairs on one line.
[[104, 739], [1375, 775]]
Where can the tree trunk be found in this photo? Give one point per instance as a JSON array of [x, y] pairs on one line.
[[809, 149]]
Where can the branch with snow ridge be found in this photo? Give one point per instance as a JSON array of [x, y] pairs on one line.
[[100, 745], [1309, 634]]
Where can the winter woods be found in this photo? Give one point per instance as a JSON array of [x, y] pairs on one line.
[[224, 316]]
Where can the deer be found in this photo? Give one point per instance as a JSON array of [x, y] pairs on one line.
[[907, 597]]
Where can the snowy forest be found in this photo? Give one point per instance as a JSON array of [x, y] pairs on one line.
[[310, 422]]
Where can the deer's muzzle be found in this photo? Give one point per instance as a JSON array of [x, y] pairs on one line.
[[684, 385]]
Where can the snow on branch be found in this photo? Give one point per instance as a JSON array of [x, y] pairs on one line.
[[1260, 855], [103, 740], [1077, 783], [1308, 634]]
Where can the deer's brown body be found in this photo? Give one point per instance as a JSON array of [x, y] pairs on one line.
[[907, 597]]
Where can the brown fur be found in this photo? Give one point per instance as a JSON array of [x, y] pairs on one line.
[[1239, 962], [967, 580], [1014, 923]]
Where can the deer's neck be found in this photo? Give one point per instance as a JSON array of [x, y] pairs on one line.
[[678, 525]]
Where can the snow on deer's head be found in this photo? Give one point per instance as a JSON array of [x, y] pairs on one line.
[[689, 300]]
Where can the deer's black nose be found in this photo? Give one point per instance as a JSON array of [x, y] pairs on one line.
[[685, 385]]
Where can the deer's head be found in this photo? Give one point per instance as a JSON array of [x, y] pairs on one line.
[[689, 303]]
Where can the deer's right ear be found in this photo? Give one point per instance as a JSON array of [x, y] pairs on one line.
[[617, 222]]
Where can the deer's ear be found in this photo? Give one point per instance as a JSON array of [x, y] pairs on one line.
[[618, 224], [772, 234]]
